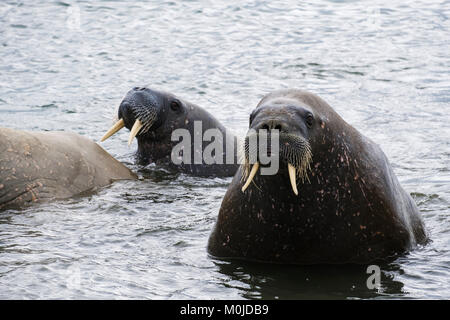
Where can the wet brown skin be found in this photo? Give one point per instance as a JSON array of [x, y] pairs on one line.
[[40, 166], [353, 210]]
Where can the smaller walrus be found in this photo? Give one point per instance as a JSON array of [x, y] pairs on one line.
[[37, 166], [154, 116], [334, 199]]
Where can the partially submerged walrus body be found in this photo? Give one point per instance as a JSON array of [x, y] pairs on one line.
[[154, 116], [38, 166], [334, 199]]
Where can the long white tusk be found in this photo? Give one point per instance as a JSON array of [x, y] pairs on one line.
[[292, 176], [251, 176], [134, 131], [116, 127]]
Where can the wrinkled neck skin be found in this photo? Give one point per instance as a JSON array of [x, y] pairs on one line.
[[156, 146]]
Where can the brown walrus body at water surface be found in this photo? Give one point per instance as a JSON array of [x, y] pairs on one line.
[[39, 166], [334, 199]]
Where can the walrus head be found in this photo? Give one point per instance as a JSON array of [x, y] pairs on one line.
[[160, 119], [151, 116], [144, 110], [293, 123]]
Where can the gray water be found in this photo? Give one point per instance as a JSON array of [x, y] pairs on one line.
[[383, 65]]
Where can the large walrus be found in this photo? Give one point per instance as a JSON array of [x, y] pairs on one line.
[[334, 199], [155, 117], [36, 166]]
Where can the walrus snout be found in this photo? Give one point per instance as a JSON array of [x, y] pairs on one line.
[[139, 112], [291, 122], [272, 124], [291, 149]]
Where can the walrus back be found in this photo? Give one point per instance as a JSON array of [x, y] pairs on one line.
[[52, 165]]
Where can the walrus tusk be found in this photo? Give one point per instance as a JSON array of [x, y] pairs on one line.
[[292, 175], [134, 131], [251, 176], [116, 127]]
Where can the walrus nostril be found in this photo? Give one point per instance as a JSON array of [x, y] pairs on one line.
[[270, 125]]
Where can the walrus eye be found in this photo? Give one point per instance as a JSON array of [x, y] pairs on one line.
[[175, 105], [309, 120]]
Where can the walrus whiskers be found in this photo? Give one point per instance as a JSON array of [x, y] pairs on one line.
[[145, 117], [294, 150]]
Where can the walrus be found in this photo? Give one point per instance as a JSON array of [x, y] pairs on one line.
[[334, 200], [40, 166], [154, 116]]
